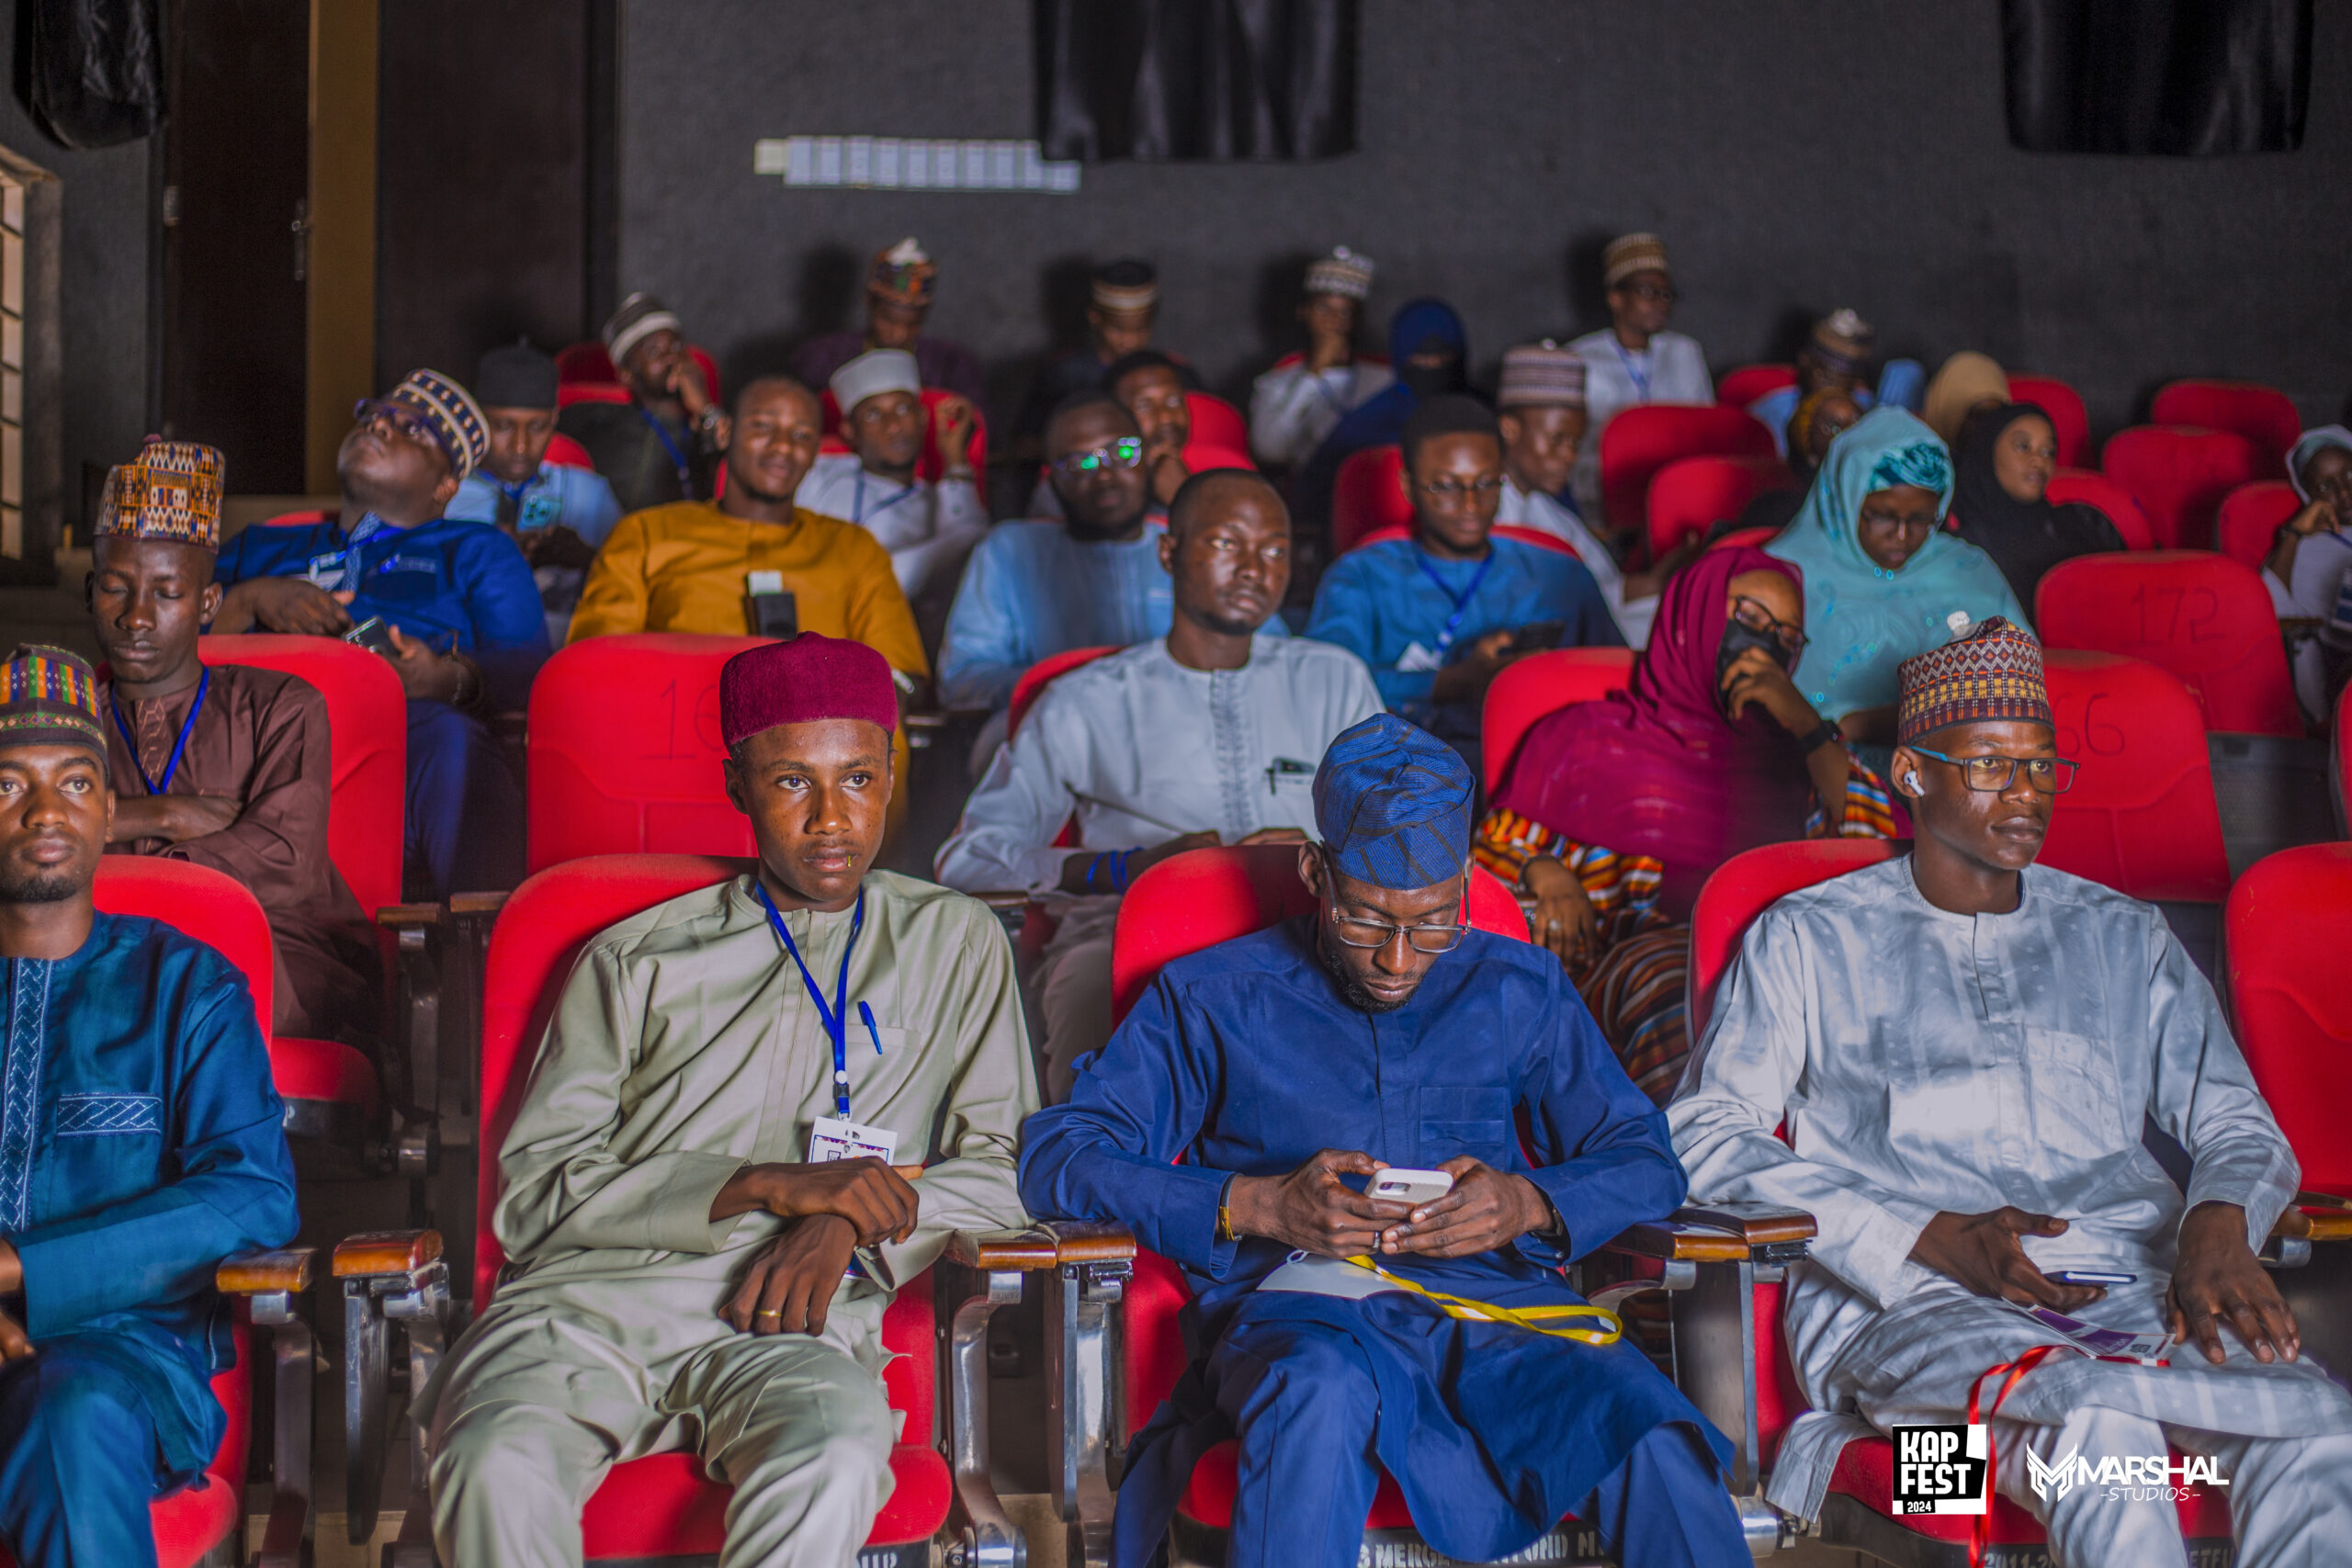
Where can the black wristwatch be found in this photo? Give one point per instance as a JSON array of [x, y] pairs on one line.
[[1820, 735]]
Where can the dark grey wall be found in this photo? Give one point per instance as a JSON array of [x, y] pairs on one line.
[[1796, 155], [104, 296]]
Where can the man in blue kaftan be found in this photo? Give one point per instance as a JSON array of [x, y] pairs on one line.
[[140, 1144], [1287, 1067]]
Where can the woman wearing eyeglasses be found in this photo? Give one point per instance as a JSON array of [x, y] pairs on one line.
[[1883, 578], [1615, 811]]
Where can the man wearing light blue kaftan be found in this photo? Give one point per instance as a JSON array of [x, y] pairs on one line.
[[140, 1144], [1248, 1059]]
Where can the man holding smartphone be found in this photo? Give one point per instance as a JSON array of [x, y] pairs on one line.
[[1288, 1069], [452, 605]]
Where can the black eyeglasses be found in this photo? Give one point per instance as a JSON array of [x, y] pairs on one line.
[[1992, 775], [1919, 522], [1425, 937], [1650, 291], [1751, 614], [1450, 491], [1125, 453], [376, 411]]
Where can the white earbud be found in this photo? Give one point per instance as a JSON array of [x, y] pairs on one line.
[[1912, 779]]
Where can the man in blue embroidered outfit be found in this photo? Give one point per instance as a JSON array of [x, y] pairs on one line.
[[458, 611], [681, 1200], [1963, 1050], [140, 1144], [1288, 1067], [227, 765]]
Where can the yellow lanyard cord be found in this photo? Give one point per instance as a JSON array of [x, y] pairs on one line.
[[1518, 1317]]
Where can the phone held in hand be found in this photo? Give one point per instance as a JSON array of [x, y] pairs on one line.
[[769, 607], [373, 635], [1538, 637], [1403, 1185], [2089, 1277]]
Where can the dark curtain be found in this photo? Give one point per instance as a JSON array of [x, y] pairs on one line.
[[1215, 80], [91, 71], [2193, 78]]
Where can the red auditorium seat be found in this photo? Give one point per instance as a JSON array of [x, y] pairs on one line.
[[625, 750], [566, 453], [1033, 681], [664, 1505], [215, 908], [2178, 475], [2064, 406], [1201, 457], [584, 374], [1858, 1512], [2200, 615], [1216, 423], [2264, 415], [2251, 517], [1690, 495], [2069, 486], [930, 465], [1179, 907], [1743, 385], [1542, 682], [2287, 931], [1390, 533], [1368, 495], [1641, 440], [367, 751], [1741, 538], [2142, 816]]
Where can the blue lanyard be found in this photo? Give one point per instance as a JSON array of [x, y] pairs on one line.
[[835, 1018], [857, 505], [361, 531], [187, 727], [1461, 601], [677, 458], [1640, 378]]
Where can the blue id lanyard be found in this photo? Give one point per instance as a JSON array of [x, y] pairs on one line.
[[835, 1018], [1461, 601], [678, 458], [1639, 378], [187, 727], [857, 505]]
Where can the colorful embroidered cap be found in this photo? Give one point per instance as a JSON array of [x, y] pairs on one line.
[[171, 492], [1844, 343], [810, 677], [450, 414], [1132, 284], [1542, 375], [903, 273], [1991, 672], [1392, 803], [49, 697], [638, 317], [1343, 271], [1630, 254]]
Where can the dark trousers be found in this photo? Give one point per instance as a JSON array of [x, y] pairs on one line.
[[77, 1462], [465, 812]]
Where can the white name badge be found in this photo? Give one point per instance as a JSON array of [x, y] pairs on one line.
[[832, 1139], [1416, 660]]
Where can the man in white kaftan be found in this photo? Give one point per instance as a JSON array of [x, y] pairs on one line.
[[1209, 734], [678, 1233], [1965, 1095], [928, 526]]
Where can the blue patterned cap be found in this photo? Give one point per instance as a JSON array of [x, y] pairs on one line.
[[1393, 805]]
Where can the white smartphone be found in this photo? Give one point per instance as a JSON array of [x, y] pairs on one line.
[[1405, 1186]]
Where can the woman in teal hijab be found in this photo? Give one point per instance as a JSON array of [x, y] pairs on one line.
[[1883, 580]]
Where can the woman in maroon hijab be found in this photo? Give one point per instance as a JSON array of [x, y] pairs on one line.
[[1616, 811]]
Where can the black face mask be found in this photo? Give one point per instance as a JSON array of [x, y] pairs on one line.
[[1738, 638], [1428, 381]]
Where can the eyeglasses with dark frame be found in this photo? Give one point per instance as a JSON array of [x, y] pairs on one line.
[[1423, 937], [1126, 452], [407, 422], [1651, 291], [1992, 773], [1450, 491], [1917, 523], [1790, 635]]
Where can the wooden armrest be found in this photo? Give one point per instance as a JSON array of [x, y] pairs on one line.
[[289, 1268], [476, 903], [1719, 1233], [385, 1252], [1090, 1241], [409, 917], [932, 720], [996, 1252], [1003, 899], [2330, 1224]]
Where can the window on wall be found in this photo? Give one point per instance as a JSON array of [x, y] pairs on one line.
[[12, 366]]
